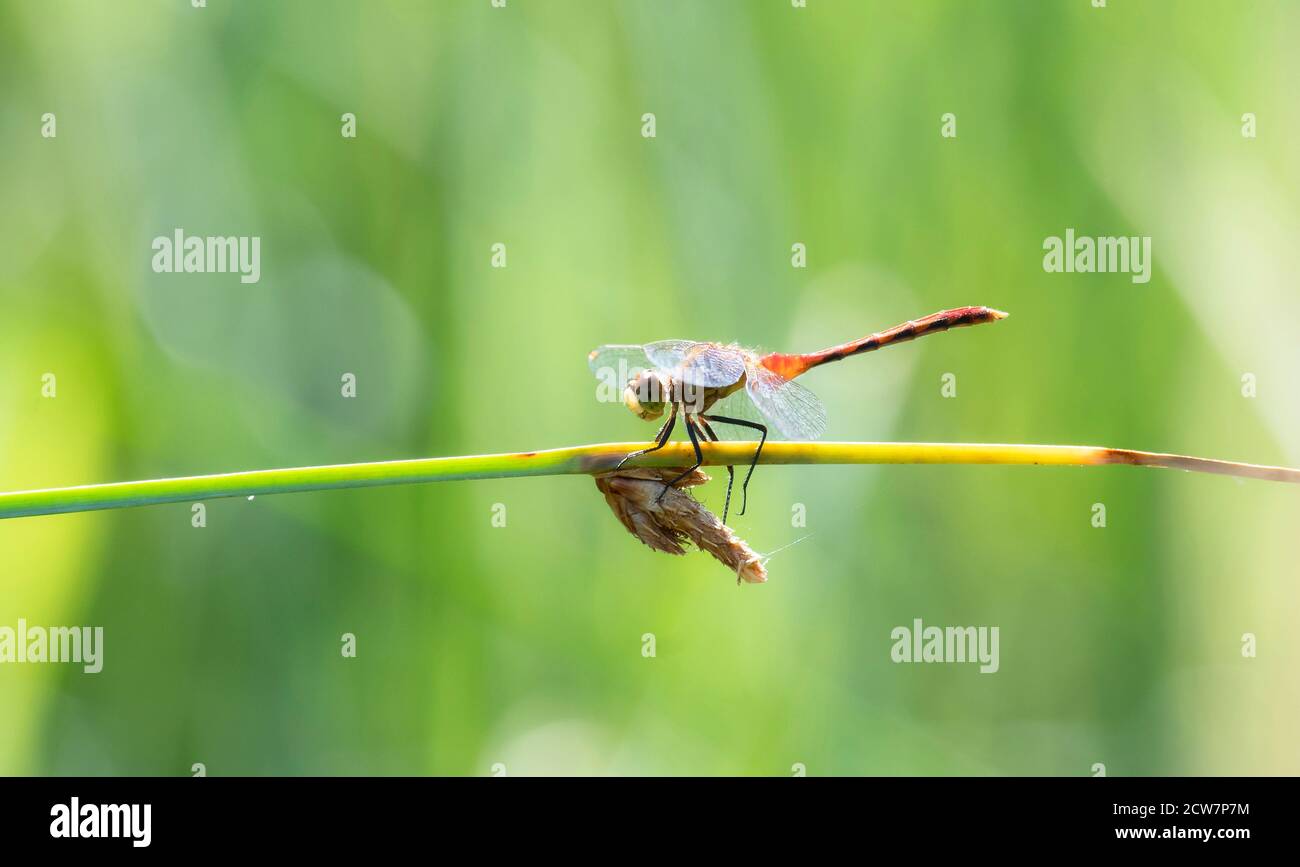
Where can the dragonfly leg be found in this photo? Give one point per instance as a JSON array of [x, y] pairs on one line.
[[661, 439], [699, 457], [762, 429], [731, 471]]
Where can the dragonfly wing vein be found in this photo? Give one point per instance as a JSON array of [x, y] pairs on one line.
[[668, 354], [795, 410], [738, 405], [708, 365], [623, 359]]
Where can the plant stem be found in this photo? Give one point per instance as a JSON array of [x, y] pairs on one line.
[[589, 460]]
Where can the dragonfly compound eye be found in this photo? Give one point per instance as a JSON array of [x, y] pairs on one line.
[[644, 396]]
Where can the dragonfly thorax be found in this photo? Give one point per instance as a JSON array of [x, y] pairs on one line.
[[651, 392]]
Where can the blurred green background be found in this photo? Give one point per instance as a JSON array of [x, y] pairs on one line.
[[522, 645]]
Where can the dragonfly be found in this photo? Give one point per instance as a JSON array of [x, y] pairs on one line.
[[709, 385]]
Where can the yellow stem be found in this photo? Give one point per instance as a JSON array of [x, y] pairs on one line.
[[592, 459]]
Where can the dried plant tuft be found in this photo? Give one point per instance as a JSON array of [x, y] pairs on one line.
[[668, 524]]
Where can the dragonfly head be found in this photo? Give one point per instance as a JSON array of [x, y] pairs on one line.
[[646, 395]]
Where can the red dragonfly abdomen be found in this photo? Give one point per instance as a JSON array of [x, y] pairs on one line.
[[790, 365]]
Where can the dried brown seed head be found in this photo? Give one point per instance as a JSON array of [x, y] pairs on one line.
[[667, 524]]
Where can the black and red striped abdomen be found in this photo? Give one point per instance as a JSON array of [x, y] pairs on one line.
[[791, 365]]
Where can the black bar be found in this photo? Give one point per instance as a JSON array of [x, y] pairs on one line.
[[331, 815]]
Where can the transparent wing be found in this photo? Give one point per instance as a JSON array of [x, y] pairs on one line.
[[668, 353], [618, 360], [794, 410], [710, 365], [737, 405]]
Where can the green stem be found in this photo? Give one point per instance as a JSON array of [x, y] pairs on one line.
[[587, 460]]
